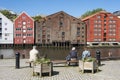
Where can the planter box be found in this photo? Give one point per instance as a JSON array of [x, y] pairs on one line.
[[43, 68], [88, 66]]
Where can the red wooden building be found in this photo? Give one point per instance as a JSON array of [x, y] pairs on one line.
[[24, 29], [103, 28]]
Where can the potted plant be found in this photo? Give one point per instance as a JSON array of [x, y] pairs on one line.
[[88, 64], [42, 65]]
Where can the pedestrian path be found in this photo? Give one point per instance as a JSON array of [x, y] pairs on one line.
[[108, 71]]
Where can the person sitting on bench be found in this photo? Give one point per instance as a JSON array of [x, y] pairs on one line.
[[72, 55], [86, 53]]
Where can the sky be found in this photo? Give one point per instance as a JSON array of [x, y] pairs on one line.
[[47, 7]]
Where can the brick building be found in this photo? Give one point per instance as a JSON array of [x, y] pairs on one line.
[[103, 28], [60, 29], [24, 29]]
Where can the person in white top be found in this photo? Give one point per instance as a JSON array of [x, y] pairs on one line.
[[33, 54], [86, 53]]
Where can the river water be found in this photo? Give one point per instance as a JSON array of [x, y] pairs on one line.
[[55, 53]]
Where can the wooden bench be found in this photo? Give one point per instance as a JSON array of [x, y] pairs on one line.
[[30, 63], [64, 62], [73, 62]]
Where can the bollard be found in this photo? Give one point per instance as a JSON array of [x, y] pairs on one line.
[[1, 56], [98, 57], [23, 56], [17, 60]]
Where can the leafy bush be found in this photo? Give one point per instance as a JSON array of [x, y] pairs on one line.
[[89, 59], [42, 60]]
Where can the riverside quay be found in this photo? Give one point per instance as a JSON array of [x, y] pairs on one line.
[[109, 70], [60, 29]]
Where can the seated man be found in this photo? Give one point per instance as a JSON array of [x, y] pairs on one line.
[[72, 54], [86, 54]]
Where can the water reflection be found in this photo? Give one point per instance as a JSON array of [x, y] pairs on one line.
[[57, 53]]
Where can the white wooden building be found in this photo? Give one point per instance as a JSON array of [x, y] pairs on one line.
[[6, 30]]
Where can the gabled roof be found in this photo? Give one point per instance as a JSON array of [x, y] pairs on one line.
[[25, 14], [94, 15], [60, 13]]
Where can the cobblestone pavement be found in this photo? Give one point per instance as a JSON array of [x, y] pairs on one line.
[[108, 71]]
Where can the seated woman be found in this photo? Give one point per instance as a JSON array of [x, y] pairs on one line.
[[86, 53]]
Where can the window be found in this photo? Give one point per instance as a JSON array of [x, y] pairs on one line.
[[5, 23], [104, 24], [19, 25], [5, 38], [105, 16], [110, 21], [18, 29], [38, 39], [29, 28], [48, 36], [114, 21], [6, 34], [82, 36], [49, 18], [78, 33], [99, 25], [23, 17], [0, 29], [104, 21], [48, 40], [24, 23], [99, 34], [95, 34], [5, 28], [24, 27], [24, 34], [18, 34], [19, 22], [61, 23], [28, 21], [24, 30], [82, 27], [78, 28], [99, 21], [98, 17], [95, 21], [95, 25], [111, 17], [24, 41], [0, 20], [63, 33], [29, 34]]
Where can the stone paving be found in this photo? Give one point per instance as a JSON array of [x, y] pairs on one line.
[[108, 71]]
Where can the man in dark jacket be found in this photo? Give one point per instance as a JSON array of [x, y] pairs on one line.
[[72, 54]]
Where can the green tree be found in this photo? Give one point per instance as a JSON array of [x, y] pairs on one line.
[[8, 14], [88, 13], [37, 18]]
